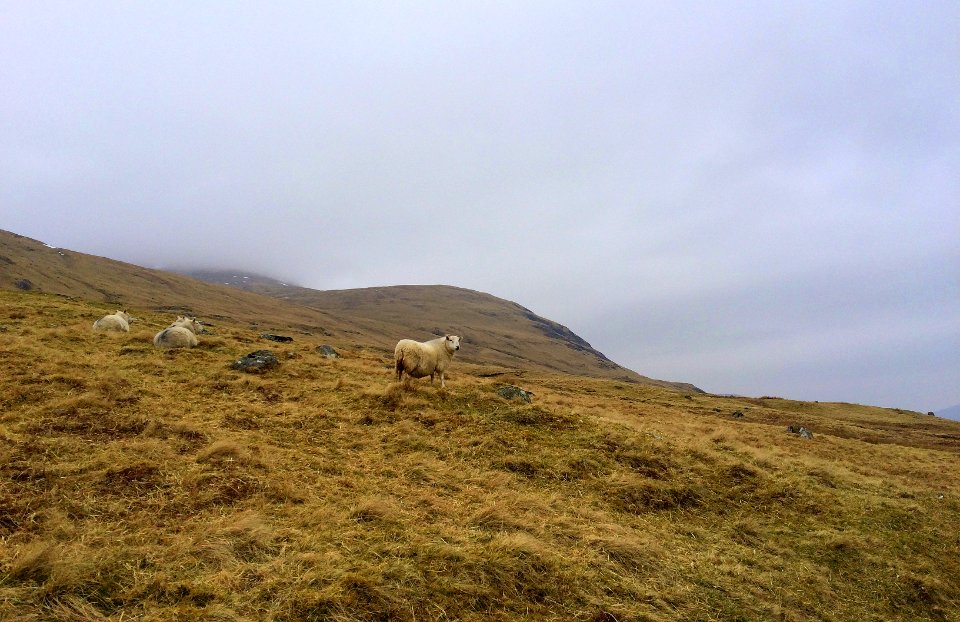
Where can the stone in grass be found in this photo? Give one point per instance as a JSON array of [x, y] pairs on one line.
[[280, 338], [256, 362], [327, 351], [738, 414], [511, 392], [800, 430]]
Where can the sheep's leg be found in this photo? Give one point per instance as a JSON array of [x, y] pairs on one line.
[[399, 367], [442, 384]]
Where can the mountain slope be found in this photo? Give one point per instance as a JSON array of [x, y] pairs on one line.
[[139, 484], [494, 330], [497, 332], [30, 265]]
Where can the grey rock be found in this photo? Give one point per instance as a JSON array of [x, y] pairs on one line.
[[511, 392], [25, 285], [800, 430], [738, 414], [327, 351], [256, 362], [279, 338]]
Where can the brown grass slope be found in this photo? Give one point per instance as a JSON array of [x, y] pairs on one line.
[[144, 485], [34, 266], [498, 332]]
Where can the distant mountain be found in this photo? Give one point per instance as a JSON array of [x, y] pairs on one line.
[[950, 413], [496, 331]]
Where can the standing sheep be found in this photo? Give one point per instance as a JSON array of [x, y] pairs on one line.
[[119, 321], [427, 358], [180, 334]]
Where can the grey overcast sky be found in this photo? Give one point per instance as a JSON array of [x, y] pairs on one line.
[[760, 198]]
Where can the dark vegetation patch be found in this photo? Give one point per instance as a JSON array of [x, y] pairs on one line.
[[186, 438], [537, 417], [132, 479], [520, 466], [18, 510], [638, 496], [90, 420], [242, 421], [222, 487]]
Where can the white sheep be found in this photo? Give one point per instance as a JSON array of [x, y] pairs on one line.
[[180, 334], [419, 359], [119, 321]]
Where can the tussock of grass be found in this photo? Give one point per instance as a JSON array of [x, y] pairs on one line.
[[137, 484]]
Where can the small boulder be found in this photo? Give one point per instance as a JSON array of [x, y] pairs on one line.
[[738, 414], [511, 392], [256, 362], [327, 351], [800, 430], [25, 285], [279, 338]]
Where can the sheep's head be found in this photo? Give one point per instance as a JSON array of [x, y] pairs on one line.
[[453, 342], [190, 323]]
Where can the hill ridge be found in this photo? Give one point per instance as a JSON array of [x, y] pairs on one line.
[[424, 308], [497, 332]]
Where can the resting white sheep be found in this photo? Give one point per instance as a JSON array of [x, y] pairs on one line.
[[180, 334], [118, 321], [419, 359]]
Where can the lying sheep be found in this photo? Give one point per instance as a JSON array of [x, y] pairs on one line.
[[419, 359], [180, 334], [118, 321]]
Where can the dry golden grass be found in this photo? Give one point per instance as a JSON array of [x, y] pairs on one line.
[[137, 484]]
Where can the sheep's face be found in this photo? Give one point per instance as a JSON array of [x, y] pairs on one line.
[[453, 342]]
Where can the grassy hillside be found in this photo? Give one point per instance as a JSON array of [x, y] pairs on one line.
[[496, 331], [145, 485], [28, 265]]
